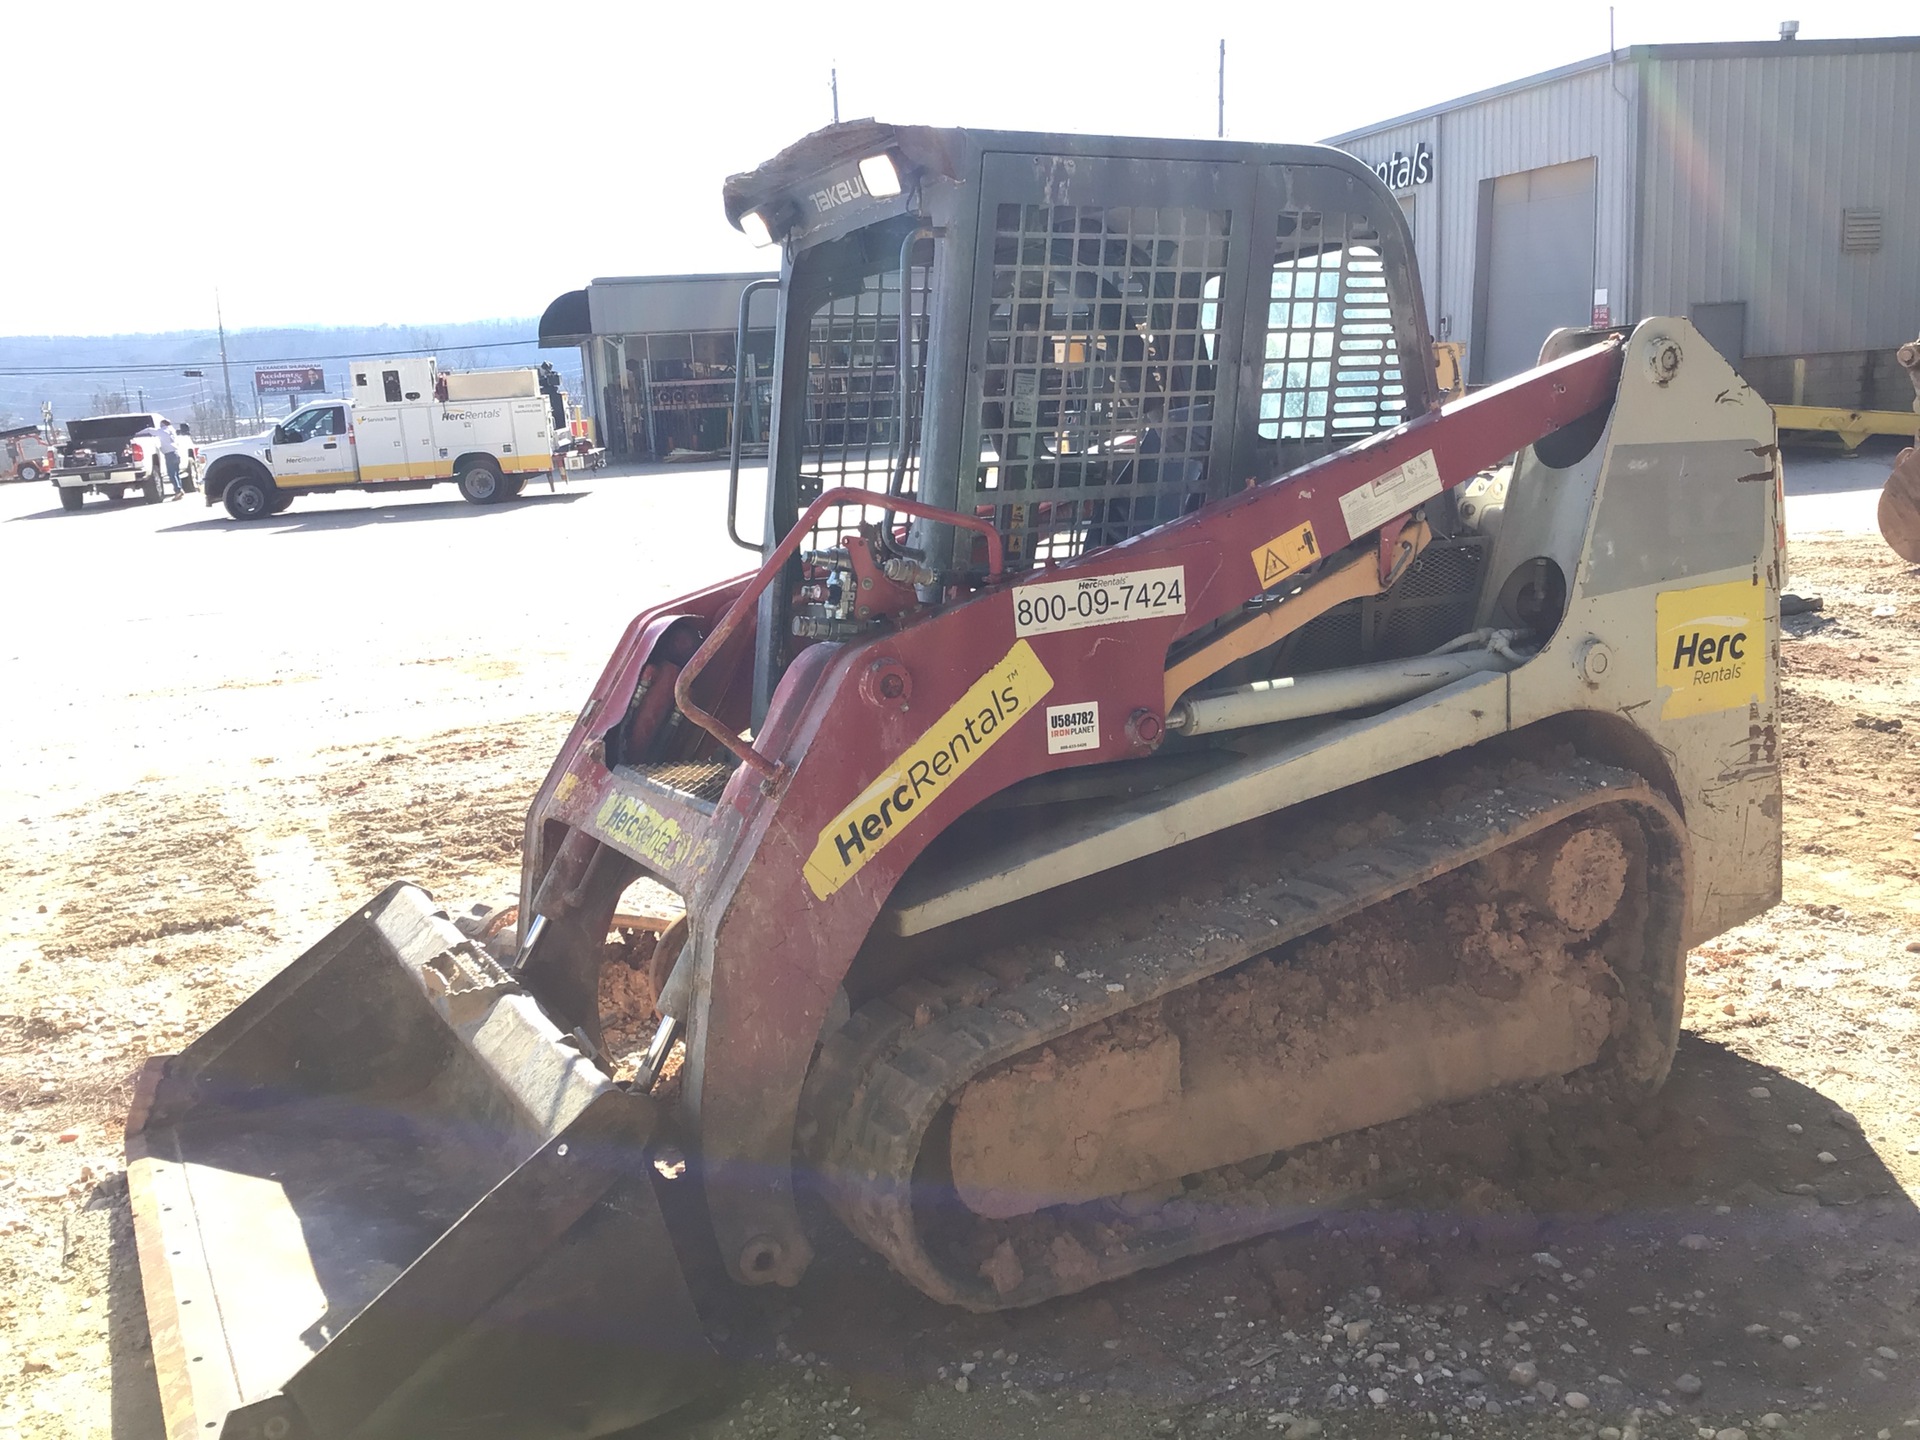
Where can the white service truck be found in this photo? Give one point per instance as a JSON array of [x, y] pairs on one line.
[[407, 425]]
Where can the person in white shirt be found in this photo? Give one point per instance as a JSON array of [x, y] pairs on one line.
[[170, 453]]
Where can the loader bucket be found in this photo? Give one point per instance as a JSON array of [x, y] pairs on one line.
[[385, 1197]]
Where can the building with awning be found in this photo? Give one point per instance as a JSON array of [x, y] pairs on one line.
[[658, 359]]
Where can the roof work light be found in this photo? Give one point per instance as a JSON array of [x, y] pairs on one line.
[[881, 177], [754, 226]]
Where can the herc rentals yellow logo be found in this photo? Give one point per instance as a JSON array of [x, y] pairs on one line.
[[1710, 648], [941, 756]]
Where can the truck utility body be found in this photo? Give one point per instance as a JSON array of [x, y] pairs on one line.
[[407, 425]]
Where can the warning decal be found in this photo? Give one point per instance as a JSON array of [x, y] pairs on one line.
[[1394, 493], [1710, 648], [1285, 554]]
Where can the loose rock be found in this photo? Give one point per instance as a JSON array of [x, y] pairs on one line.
[[1689, 1384], [1576, 1401], [1790, 1342], [1695, 1242], [1524, 1373]]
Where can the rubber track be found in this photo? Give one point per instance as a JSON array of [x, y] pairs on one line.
[[883, 1078]]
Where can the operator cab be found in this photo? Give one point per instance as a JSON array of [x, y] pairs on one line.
[[1079, 338]]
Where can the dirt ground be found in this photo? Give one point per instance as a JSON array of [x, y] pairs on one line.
[[1742, 1252]]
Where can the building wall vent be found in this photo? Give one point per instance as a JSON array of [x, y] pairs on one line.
[[1860, 231]]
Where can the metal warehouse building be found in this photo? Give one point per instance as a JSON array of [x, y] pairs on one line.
[[657, 354], [1767, 190]]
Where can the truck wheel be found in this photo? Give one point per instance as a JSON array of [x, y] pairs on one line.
[[72, 497], [249, 497], [481, 482], [150, 490], [281, 500], [26, 470], [511, 488]]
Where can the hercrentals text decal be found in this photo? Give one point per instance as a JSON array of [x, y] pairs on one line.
[[1710, 648], [643, 832], [941, 756]]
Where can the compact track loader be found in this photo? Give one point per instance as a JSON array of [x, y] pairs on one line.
[[1156, 734]]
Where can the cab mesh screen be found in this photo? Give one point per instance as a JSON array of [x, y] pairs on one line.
[[1331, 374], [1096, 416], [852, 433]]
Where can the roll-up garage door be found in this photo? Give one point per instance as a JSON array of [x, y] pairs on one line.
[[1540, 263]]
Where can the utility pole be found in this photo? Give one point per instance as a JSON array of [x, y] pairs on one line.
[[834, 81], [1222, 132], [225, 374]]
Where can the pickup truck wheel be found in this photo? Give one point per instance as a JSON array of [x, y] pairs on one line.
[[26, 470], [72, 497], [150, 490], [249, 497], [481, 482], [281, 500]]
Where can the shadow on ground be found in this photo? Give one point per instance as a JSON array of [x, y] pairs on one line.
[[298, 519], [136, 1392], [1690, 1235], [1614, 1248]]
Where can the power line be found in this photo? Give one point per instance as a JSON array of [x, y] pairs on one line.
[[263, 360]]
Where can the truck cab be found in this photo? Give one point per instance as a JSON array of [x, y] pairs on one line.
[[315, 445]]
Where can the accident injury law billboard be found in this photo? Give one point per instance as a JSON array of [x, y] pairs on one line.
[[288, 379]]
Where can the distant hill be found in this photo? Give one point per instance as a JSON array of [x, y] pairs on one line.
[[86, 374]]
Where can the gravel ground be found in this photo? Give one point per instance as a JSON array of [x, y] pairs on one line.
[[234, 734]]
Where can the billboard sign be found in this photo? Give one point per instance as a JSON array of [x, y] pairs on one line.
[[288, 379]]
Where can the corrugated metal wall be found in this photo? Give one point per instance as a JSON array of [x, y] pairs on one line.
[[1589, 113], [1750, 161]]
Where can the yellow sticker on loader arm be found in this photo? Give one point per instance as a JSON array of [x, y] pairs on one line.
[[1285, 555], [972, 726], [1710, 648]]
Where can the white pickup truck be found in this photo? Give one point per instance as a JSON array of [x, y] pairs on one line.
[[112, 454], [408, 425]]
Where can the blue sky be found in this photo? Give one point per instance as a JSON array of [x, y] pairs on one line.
[[432, 162]]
